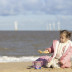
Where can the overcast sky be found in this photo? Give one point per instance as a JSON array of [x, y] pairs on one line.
[[35, 12], [12, 7]]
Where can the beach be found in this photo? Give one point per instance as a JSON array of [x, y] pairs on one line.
[[26, 67], [19, 49]]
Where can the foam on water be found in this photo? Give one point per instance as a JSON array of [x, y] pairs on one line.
[[17, 59]]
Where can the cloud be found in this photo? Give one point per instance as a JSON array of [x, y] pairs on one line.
[[14, 7]]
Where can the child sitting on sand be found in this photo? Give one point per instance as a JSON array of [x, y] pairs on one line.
[[62, 51]]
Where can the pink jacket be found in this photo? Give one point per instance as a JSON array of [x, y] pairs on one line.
[[65, 59]]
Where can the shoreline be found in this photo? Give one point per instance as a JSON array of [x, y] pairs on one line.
[[26, 67]]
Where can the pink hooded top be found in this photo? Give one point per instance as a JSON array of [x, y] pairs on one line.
[[66, 57]]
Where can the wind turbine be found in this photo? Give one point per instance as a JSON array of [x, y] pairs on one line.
[[53, 26], [58, 25], [50, 27], [16, 25]]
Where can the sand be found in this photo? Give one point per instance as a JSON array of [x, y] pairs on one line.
[[26, 67]]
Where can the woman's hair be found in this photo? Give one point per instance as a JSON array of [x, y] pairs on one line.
[[68, 34]]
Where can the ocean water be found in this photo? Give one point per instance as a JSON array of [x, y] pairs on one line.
[[18, 46]]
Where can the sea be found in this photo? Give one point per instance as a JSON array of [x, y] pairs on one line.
[[23, 46]]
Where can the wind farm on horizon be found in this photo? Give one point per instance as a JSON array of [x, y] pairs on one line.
[[16, 26]]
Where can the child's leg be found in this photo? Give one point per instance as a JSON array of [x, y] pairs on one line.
[[49, 64], [56, 63]]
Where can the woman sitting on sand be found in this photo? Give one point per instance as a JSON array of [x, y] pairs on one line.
[[62, 51]]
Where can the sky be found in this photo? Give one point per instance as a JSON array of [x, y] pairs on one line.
[[35, 12]]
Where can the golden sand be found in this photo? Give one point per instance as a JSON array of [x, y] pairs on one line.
[[26, 67]]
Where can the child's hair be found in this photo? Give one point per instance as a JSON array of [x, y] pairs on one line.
[[68, 34]]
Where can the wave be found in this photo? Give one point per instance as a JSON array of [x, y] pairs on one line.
[[17, 59]]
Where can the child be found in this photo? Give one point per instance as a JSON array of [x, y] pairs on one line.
[[62, 51]]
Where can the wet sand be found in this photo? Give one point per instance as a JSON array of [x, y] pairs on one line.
[[26, 67]]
